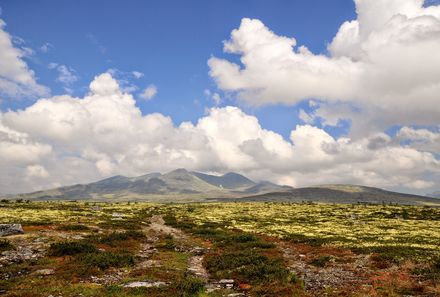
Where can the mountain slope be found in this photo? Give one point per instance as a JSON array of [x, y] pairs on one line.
[[434, 195], [229, 180], [182, 185], [177, 184], [346, 194]]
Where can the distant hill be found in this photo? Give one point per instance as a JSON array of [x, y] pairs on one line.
[[346, 194], [434, 195], [176, 185]]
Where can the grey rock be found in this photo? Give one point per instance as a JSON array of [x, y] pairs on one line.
[[10, 229], [45, 272], [146, 284], [226, 281]]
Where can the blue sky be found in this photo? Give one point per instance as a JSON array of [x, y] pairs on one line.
[[294, 92], [169, 41]]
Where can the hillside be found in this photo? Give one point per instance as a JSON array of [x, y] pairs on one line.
[[346, 194], [434, 195], [182, 185], [177, 185]]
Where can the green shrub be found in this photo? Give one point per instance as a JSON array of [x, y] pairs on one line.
[[294, 279], [320, 261], [394, 254], [245, 237], [68, 248], [167, 244], [432, 272], [122, 224], [189, 286], [300, 238], [247, 266], [114, 238], [76, 227], [5, 245], [105, 260]]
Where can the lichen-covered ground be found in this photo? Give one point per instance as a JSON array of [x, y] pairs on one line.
[[219, 249]]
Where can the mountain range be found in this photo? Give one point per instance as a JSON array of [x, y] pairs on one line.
[[181, 185]]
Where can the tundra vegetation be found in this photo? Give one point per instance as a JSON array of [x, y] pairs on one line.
[[219, 249]]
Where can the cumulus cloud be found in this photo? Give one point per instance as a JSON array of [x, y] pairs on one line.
[[66, 75], [385, 63], [421, 139], [65, 140], [16, 79], [149, 92]]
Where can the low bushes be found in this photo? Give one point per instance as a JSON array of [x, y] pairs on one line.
[[320, 261], [76, 227], [115, 238], [167, 243], [188, 287], [69, 248], [5, 245], [246, 266], [105, 260]]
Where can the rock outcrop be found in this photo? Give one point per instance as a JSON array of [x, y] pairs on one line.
[[10, 229]]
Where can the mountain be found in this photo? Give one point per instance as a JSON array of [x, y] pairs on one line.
[[229, 180], [345, 194], [434, 195], [177, 185], [181, 185]]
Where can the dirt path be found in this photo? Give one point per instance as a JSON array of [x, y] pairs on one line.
[[157, 224], [195, 263]]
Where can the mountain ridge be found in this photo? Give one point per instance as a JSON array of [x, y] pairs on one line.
[[173, 184], [181, 185]]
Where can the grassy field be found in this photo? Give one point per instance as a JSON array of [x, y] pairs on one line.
[[218, 249]]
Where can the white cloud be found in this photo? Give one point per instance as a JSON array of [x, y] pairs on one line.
[[36, 171], [137, 74], [124, 79], [66, 75], [65, 140], [385, 64], [215, 97], [421, 139], [46, 47], [16, 79], [149, 92], [306, 117]]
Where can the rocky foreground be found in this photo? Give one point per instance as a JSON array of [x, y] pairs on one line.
[[126, 250]]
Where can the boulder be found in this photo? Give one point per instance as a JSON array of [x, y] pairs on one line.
[[44, 272], [10, 229], [145, 284]]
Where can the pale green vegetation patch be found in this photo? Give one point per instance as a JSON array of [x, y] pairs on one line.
[[414, 230]]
